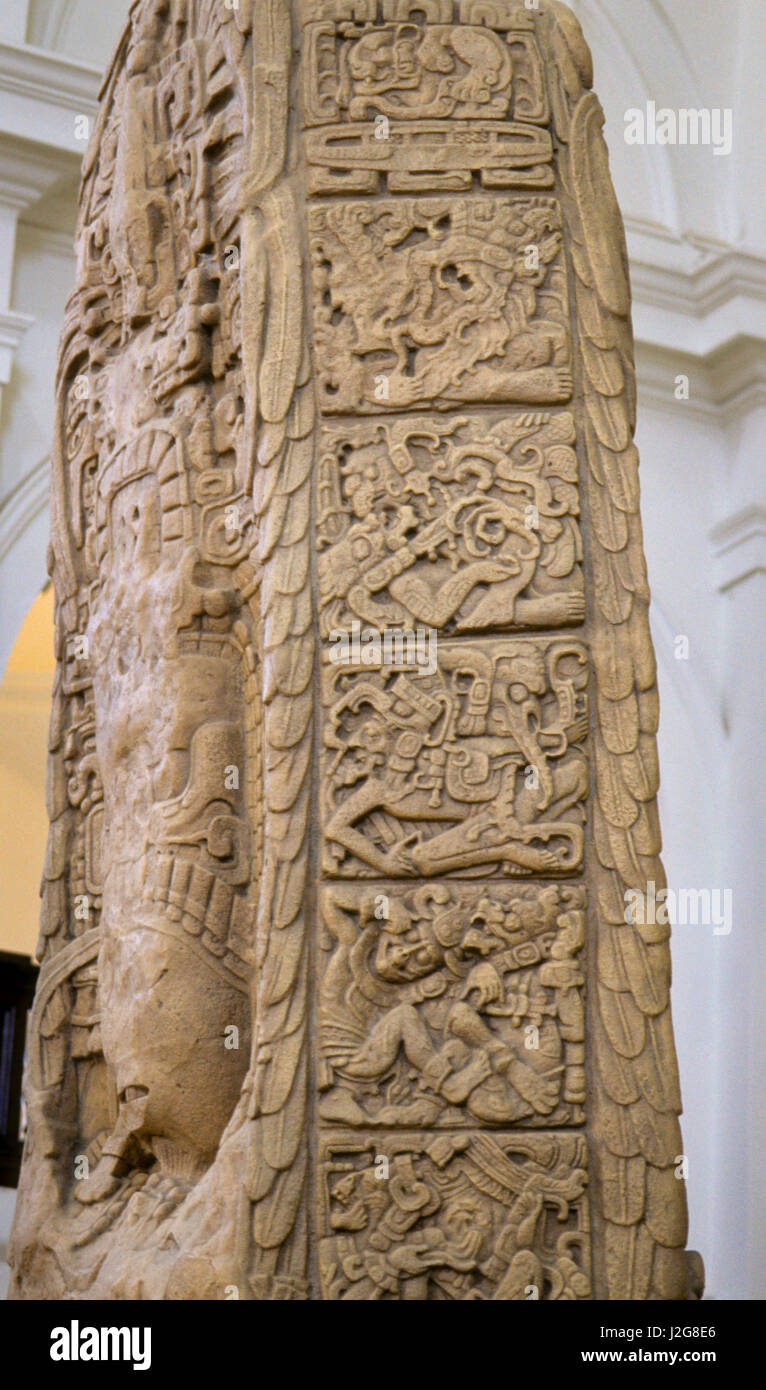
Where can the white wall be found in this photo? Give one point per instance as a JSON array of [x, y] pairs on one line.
[[697, 238]]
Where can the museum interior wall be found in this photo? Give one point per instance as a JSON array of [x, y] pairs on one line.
[[697, 240]]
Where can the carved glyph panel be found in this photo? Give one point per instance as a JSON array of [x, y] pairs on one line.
[[435, 71], [427, 156], [447, 1005], [413, 107], [439, 301], [461, 524], [475, 768], [454, 1216]]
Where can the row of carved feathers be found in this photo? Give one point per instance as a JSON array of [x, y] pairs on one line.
[[634, 1090]]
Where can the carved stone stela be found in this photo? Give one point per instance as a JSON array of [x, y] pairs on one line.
[[338, 995]]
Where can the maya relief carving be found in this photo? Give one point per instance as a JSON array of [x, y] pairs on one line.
[[350, 349], [447, 1005], [469, 1218], [460, 525], [439, 301], [479, 767]]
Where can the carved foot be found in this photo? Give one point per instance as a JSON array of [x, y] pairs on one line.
[[119, 1148], [103, 1182], [418, 1112], [340, 1107]]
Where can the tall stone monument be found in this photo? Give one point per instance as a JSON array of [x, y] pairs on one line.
[[352, 755]]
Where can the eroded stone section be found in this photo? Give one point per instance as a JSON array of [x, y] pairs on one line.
[[461, 524], [446, 1005], [454, 1216], [155, 825], [439, 301], [476, 768]]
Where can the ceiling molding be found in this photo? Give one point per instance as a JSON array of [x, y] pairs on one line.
[[13, 326], [28, 172], [699, 309], [48, 76], [693, 278], [657, 370], [724, 386], [41, 93], [47, 240]]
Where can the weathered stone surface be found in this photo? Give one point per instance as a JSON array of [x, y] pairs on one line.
[[352, 754]]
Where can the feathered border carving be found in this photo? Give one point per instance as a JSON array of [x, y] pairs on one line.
[[634, 1099], [278, 372]]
